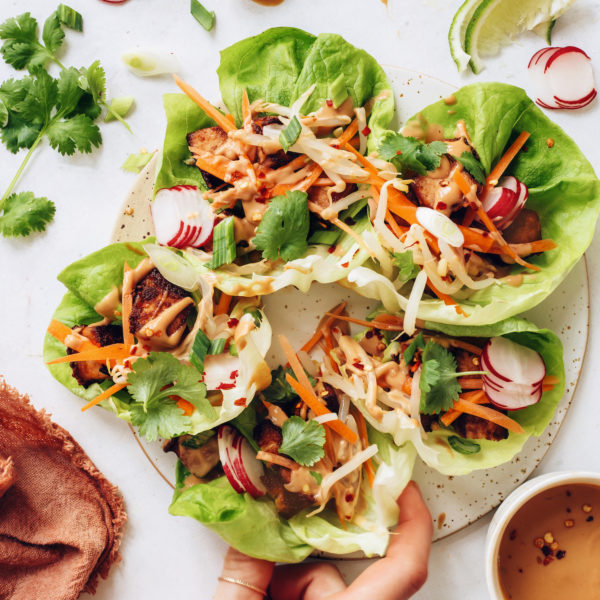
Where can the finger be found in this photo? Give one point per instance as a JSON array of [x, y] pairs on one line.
[[403, 571], [311, 581], [244, 568]]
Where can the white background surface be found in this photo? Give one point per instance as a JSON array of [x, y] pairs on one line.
[[168, 556]]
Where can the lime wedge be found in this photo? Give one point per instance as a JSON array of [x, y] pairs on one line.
[[456, 35], [496, 22], [544, 30]]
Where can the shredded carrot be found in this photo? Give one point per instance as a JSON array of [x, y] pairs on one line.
[[223, 304], [205, 105], [102, 353], [551, 379], [389, 319], [477, 397], [329, 347], [375, 324], [448, 300], [463, 184], [348, 133], [470, 383], [246, 114], [61, 332], [502, 164], [113, 389], [469, 217], [326, 323], [316, 171], [211, 167], [276, 459], [347, 229], [547, 387], [230, 117], [127, 306], [489, 414], [534, 247], [397, 230], [309, 398], [187, 407], [361, 425], [328, 447], [368, 165]]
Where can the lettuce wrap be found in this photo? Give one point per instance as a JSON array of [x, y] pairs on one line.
[[433, 447], [279, 66], [563, 190], [253, 526], [90, 279]]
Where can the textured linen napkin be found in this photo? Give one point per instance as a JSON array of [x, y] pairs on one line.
[[61, 521]]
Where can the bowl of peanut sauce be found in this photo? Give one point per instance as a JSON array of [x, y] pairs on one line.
[[544, 540]]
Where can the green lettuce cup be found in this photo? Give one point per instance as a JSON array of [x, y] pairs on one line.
[[433, 446], [93, 278], [563, 190], [254, 527]]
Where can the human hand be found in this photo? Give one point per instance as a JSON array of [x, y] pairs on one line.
[[397, 576]]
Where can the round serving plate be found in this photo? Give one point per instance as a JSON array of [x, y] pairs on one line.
[[454, 502]]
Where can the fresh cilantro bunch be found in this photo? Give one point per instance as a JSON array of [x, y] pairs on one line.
[[61, 110], [154, 384], [410, 155], [284, 228], [438, 384], [303, 441]]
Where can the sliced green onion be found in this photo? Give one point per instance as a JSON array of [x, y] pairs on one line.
[[200, 349], [256, 315], [206, 18], [223, 244], [463, 446], [134, 163], [338, 91], [118, 108], [217, 346], [325, 236], [69, 17], [391, 350], [233, 349], [290, 134], [353, 210]]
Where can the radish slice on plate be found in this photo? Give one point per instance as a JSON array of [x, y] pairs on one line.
[[515, 374], [182, 217], [562, 78], [226, 438]]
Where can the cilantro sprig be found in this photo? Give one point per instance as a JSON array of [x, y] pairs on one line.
[[303, 441], [438, 384], [410, 155], [40, 107], [154, 383]]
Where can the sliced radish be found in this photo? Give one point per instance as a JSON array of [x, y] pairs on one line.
[[182, 217], [441, 226], [248, 469], [522, 196], [562, 78], [225, 439], [510, 399], [500, 202]]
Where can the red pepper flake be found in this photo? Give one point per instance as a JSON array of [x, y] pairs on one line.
[[233, 374], [349, 497], [240, 402], [232, 322], [331, 249], [261, 175], [329, 102], [345, 264], [442, 205], [547, 560], [226, 386], [358, 365], [133, 350], [337, 146], [366, 131], [398, 152], [415, 366]]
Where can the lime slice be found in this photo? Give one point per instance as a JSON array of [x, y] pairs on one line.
[[496, 22], [544, 30], [456, 35]]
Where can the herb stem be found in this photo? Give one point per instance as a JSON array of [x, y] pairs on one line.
[[12, 184]]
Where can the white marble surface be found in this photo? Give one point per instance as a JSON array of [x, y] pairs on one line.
[[164, 555]]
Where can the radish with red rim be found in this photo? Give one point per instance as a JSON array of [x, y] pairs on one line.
[[182, 217], [248, 469], [504, 202], [226, 439]]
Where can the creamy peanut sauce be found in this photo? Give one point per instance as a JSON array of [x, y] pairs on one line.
[[154, 332], [551, 547], [107, 307], [450, 100]]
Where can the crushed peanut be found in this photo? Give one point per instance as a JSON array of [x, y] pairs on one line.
[[586, 508], [129, 210], [548, 537], [538, 543], [569, 523]]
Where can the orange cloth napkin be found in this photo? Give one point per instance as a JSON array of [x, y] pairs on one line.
[[61, 521]]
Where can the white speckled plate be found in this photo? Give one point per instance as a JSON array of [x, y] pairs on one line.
[[454, 501]]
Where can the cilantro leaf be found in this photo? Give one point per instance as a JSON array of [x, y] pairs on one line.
[[409, 353], [472, 165], [409, 154], [13, 91], [77, 133], [93, 80], [303, 441], [24, 213], [406, 266], [19, 133], [159, 418], [438, 384], [3, 113], [280, 391], [284, 227], [69, 92], [40, 99], [52, 33]]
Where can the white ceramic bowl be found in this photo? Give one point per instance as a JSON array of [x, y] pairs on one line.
[[509, 508]]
